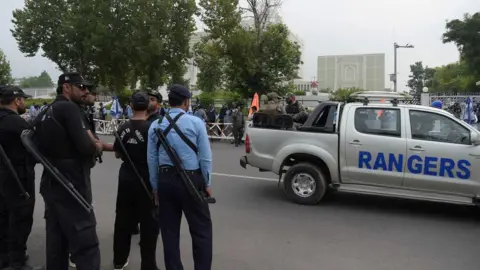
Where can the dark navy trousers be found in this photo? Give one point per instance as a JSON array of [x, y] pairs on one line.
[[174, 200]]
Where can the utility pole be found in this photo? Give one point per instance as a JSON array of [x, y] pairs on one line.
[[395, 73]]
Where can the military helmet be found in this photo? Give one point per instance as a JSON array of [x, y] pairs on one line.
[[272, 96]]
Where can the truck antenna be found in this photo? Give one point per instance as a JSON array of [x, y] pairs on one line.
[[365, 101], [395, 102]]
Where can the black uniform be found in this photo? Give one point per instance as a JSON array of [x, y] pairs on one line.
[[62, 138], [16, 212], [153, 117], [133, 204]]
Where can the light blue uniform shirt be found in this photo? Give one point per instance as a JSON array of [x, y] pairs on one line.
[[195, 130]]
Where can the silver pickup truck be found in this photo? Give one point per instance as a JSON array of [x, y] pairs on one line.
[[386, 149]]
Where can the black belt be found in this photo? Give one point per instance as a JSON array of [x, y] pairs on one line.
[[171, 169]]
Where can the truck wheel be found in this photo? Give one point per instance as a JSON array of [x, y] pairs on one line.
[[305, 184]]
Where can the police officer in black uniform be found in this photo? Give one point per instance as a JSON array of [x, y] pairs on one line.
[[154, 106], [61, 135], [16, 212], [133, 202], [193, 149]]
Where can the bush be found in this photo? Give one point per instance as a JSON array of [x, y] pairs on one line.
[[208, 98], [38, 101], [299, 93], [344, 94]]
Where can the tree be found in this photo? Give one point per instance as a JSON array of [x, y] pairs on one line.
[[455, 77], [164, 32], [44, 80], [114, 43], [211, 63], [60, 29], [258, 59], [5, 70], [465, 34], [420, 77]]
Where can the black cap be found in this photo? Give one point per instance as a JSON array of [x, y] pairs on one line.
[[12, 91], [139, 99], [180, 90], [73, 78], [156, 94]]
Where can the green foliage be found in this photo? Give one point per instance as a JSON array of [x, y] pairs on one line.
[[420, 76], [211, 63], [465, 34], [344, 94], [112, 43], [299, 93], [257, 59], [124, 96], [44, 80], [455, 77], [226, 97], [38, 101], [5, 70]]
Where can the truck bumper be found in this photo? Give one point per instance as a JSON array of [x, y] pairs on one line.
[[243, 162]]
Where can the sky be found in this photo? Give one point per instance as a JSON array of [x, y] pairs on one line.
[[326, 27]]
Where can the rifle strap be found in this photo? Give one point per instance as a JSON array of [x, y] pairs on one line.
[[180, 133], [177, 129]]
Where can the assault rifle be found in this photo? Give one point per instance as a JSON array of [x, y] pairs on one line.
[[27, 141], [199, 196], [13, 172]]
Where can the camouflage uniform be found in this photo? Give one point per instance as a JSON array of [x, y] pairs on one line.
[[293, 107], [273, 106]]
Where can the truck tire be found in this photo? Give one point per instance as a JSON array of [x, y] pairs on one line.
[[305, 184]]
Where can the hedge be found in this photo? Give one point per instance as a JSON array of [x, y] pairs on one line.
[[209, 98]]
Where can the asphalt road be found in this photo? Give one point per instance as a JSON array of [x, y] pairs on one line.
[[256, 228]]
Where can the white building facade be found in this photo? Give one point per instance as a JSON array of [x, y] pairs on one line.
[[366, 71]]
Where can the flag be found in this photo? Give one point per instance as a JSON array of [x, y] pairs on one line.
[[116, 109], [255, 102]]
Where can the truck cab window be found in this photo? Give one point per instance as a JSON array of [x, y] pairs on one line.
[[326, 118], [378, 121], [439, 128]]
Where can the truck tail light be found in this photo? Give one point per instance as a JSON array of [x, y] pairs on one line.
[[247, 144]]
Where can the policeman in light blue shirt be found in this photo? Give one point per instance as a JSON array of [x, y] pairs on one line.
[[173, 197]]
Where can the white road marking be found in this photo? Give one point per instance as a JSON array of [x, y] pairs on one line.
[[244, 176]]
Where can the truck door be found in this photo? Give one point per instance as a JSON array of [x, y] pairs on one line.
[[441, 157], [375, 146]]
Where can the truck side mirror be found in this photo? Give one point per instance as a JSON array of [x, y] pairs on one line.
[[475, 138]]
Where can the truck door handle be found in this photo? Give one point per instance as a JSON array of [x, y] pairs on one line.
[[475, 155], [355, 142], [417, 148]]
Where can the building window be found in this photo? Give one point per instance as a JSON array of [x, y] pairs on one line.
[[349, 73]]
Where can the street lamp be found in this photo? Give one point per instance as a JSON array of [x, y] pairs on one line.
[[425, 89], [395, 47]]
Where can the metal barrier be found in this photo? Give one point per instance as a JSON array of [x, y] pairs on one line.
[[221, 131]]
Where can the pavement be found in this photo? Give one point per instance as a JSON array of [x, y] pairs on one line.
[[256, 228]]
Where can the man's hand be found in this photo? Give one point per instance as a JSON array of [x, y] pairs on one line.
[[209, 191], [107, 147], [99, 146], [155, 198]]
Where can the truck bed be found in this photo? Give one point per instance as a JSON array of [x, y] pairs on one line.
[[268, 145]]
